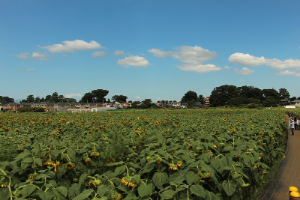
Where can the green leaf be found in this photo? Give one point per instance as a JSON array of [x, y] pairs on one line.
[[168, 194], [119, 170], [229, 187], [22, 155], [71, 153], [137, 178], [63, 190], [159, 179], [45, 195], [178, 177], [102, 189], [4, 193], [148, 167], [197, 190], [38, 161], [191, 177], [210, 196], [145, 190], [82, 178], [84, 195], [27, 190], [55, 152], [114, 163]]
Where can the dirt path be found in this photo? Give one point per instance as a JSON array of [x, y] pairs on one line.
[[288, 171]]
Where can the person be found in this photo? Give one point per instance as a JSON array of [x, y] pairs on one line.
[[292, 125], [298, 123]]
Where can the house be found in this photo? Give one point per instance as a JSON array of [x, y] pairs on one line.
[[11, 107], [206, 101], [296, 103], [1, 107], [176, 104], [126, 105]]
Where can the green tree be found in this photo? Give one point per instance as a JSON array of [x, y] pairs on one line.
[[221, 95], [99, 95], [88, 97], [146, 103], [190, 97], [270, 101], [270, 93], [201, 99], [30, 98], [54, 97], [48, 98], [284, 94], [135, 104], [61, 98], [119, 98], [37, 100]]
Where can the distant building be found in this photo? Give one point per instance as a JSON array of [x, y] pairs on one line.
[[206, 102]]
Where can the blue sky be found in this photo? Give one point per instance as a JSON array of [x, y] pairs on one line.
[[157, 49]]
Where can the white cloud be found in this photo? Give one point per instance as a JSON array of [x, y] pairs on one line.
[[23, 56], [39, 56], [98, 54], [187, 54], [244, 71], [242, 81], [226, 67], [64, 55], [278, 64], [119, 53], [134, 61], [249, 60], [246, 59], [159, 53], [288, 73], [199, 68], [137, 97], [158, 98], [73, 95], [72, 46], [31, 69], [193, 55]]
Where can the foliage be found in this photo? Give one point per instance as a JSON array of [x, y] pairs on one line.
[[163, 154], [190, 97], [119, 98]]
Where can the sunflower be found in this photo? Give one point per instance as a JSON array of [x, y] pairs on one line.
[[159, 160], [179, 163], [95, 154], [59, 129], [70, 165], [24, 143], [46, 155], [87, 160], [173, 167], [56, 166], [49, 163], [9, 128], [128, 183], [225, 119], [54, 134]]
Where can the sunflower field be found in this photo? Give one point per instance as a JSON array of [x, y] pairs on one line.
[[153, 154]]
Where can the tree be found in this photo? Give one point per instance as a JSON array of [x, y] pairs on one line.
[[221, 95], [108, 100], [292, 98], [284, 94], [201, 99], [54, 97], [249, 92], [135, 104], [42, 99], [37, 100], [119, 98], [61, 98], [6, 99], [190, 97], [99, 95], [146, 103], [270, 101], [270, 93], [48, 98], [30, 98], [88, 97]]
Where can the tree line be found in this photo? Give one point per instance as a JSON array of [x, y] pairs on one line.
[[225, 95]]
